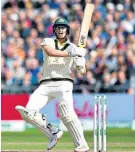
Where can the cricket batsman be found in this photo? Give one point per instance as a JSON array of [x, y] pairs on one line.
[[59, 56]]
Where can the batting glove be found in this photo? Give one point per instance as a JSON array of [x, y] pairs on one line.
[[81, 51], [79, 61], [75, 51], [80, 64]]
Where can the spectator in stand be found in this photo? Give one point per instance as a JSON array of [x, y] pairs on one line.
[[90, 82], [9, 78], [106, 85], [114, 79], [123, 84], [18, 71]]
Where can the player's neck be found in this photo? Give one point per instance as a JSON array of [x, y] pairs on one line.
[[61, 41]]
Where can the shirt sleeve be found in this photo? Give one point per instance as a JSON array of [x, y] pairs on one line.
[[49, 42]]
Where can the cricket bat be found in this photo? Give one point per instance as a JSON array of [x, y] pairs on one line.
[[85, 25]]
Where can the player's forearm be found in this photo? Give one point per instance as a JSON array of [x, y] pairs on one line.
[[53, 52]]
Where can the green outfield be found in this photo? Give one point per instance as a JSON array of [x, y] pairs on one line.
[[118, 140]]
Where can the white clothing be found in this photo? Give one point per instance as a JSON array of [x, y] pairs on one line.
[[57, 70], [62, 90], [56, 67]]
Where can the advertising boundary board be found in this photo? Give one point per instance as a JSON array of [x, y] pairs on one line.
[[120, 111]]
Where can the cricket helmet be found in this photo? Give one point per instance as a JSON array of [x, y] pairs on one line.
[[62, 22]]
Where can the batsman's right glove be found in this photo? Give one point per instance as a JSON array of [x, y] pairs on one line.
[[75, 51]]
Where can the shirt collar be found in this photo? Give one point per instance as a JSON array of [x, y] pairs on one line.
[[67, 42]]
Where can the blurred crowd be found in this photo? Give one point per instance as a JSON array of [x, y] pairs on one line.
[[110, 47]]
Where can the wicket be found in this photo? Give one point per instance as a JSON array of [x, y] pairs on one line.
[[100, 123]]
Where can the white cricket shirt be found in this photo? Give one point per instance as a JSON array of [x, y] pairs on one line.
[[56, 67]]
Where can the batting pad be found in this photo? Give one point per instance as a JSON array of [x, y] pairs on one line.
[[72, 123], [36, 119]]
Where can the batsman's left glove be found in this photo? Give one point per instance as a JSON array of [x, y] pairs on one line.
[[80, 64]]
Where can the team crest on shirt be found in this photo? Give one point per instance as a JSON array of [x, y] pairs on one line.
[[56, 60]]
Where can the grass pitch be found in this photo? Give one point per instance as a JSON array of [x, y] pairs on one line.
[[118, 140]]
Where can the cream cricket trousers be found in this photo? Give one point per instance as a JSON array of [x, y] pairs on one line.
[[62, 90]]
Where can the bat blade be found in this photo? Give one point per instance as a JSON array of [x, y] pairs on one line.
[[85, 25]]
